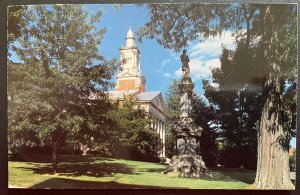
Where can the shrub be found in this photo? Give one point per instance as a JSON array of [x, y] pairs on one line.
[[230, 157], [292, 163]]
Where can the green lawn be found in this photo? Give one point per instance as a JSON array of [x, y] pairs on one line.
[[96, 172]]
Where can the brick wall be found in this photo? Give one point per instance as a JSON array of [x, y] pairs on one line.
[[126, 85]]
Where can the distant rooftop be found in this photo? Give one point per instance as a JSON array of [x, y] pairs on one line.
[[141, 96], [147, 96], [121, 94]]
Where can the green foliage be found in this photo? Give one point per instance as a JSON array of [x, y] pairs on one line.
[[173, 111], [174, 25], [243, 89], [230, 156], [58, 70], [262, 66], [292, 162], [16, 20], [131, 136], [237, 107], [204, 116]]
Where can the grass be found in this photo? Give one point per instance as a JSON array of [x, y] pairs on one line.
[[97, 172]]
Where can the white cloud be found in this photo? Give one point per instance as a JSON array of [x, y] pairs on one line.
[[165, 62], [174, 55], [215, 85], [199, 68], [211, 46], [178, 73], [167, 75], [213, 63]]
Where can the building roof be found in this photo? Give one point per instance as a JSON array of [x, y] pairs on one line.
[[141, 96], [147, 96], [153, 97], [121, 94], [292, 151]]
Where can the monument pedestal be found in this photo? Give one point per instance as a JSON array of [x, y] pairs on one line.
[[187, 165]]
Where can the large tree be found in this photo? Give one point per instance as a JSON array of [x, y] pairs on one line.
[[272, 31], [277, 26], [57, 78], [15, 22], [237, 108], [173, 114], [131, 135]]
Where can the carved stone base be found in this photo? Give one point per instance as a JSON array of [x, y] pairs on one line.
[[187, 165]]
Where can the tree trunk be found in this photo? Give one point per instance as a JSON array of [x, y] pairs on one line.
[[54, 158], [273, 157]]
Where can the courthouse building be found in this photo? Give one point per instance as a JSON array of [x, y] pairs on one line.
[[131, 82]]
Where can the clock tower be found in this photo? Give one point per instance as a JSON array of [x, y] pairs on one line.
[[130, 76]]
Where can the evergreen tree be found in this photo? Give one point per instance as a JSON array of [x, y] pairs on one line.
[[173, 112], [57, 86], [204, 117], [237, 109]]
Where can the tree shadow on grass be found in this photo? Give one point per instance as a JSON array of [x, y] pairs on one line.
[[229, 175], [59, 183], [83, 169], [38, 158], [152, 170], [15, 158]]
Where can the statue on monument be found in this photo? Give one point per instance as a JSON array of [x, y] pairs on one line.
[[185, 64]]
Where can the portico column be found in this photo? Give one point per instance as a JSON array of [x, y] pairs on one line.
[[164, 138], [157, 126], [152, 125], [160, 136], [160, 130]]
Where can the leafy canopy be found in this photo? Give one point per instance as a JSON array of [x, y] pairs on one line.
[[58, 70]]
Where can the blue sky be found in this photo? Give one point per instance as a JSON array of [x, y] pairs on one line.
[[160, 66]]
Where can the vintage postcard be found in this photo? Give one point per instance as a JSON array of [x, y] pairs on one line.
[[152, 96]]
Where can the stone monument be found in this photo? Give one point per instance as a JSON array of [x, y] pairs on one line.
[[186, 159]]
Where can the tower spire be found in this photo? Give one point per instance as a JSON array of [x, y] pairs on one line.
[[130, 38]]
